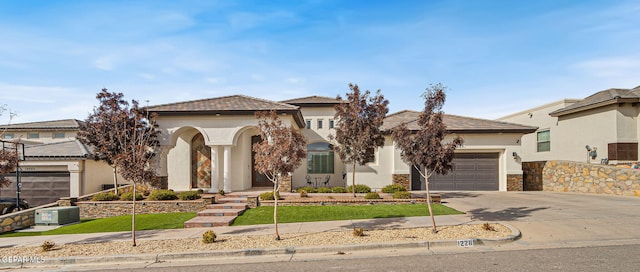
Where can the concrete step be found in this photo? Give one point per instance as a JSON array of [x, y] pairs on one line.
[[209, 221], [232, 200], [226, 206], [221, 212]]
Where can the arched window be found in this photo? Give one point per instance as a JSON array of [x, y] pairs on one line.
[[320, 158]]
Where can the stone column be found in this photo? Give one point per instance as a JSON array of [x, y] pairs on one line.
[[227, 168], [215, 182]]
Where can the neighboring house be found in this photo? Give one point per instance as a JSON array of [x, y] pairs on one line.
[[606, 121], [207, 144], [56, 164]]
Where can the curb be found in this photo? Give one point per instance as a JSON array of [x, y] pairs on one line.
[[169, 257]]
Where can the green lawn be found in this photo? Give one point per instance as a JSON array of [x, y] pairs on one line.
[[117, 223], [289, 214]]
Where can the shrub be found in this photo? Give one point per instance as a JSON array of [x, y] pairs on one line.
[[208, 237], [392, 188], [188, 195], [200, 191], [47, 245], [358, 232], [128, 196], [372, 195], [163, 195], [324, 190], [360, 188], [144, 189], [221, 192], [488, 227], [303, 193], [105, 196], [402, 195], [309, 189], [339, 189], [269, 196]]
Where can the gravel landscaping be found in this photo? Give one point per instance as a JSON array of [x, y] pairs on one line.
[[234, 242]]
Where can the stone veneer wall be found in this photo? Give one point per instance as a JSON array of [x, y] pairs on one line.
[[514, 182], [566, 176], [285, 184], [402, 179], [102, 209], [21, 219], [532, 175]]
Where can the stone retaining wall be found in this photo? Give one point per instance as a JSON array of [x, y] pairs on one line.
[[103, 209], [566, 176], [532, 175], [21, 219], [514, 182]]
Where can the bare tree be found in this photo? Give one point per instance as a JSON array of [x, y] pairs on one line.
[[358, 127], [101, 129], [138, 141], [278, 154], [425, 148]]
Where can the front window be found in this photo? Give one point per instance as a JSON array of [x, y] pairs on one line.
[[331, 123], [58, 135], [320, 158], [33, 135], [544, 140], [8, 136], [309, 124], [320, 124]]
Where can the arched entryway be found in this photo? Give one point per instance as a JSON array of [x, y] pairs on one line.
[[200, 163]]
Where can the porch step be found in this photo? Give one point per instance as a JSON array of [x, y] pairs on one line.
[[221, 212], [209, 221]]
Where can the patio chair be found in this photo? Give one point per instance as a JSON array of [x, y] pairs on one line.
[[309, 180], [326, 180]]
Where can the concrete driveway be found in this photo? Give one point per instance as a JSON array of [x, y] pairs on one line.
[[550, 219]]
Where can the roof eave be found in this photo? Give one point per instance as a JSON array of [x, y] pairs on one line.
[[562, 112]]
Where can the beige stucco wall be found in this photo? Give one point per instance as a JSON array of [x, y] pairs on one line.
[[97, 173]]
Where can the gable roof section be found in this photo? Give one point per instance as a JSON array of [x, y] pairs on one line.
[[600, 99], [314, 101], [58, 150], [456, 124], [66, 124], [228, 105]]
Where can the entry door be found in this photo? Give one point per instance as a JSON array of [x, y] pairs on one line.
[[257, 179]]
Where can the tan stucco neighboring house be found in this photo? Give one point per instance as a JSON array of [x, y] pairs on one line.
[[206, 144], [606, 121], [55, 163]]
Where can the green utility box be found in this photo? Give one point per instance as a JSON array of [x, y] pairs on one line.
[[57, 215]]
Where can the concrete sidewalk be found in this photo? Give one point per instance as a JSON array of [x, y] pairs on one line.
[[303, 227]]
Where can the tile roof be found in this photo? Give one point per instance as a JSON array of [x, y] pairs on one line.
[[223, 104], [61, 150], [314, 101], [599, 99], [66, 124], [456, 124]]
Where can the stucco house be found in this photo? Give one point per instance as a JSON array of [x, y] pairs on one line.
[[606, 122], [206, 144], [55, 163]]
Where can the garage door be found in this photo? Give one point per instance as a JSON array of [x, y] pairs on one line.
[[39, 188], [472, 172]]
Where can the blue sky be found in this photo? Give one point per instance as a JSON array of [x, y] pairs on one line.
[[497, 57]]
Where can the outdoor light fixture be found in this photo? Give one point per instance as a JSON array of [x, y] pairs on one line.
[[592, 153], [515, 155]]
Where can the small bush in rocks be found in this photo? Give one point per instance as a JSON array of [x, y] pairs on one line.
[[324, 190], [129, 196], [269, 196], [105, 196], [208, 237], [303, 193], [47, 245], [189, 195], [163, 195], [488, 227], [309, 189], [392, 188], [358, 232], [372, 195], [402, 195]]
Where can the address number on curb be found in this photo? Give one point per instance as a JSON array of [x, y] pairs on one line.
[[465, 243]]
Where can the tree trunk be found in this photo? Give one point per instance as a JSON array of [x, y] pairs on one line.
[[115, 180], [133, 216], [433, 219], [353, 179], [275, 208]]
